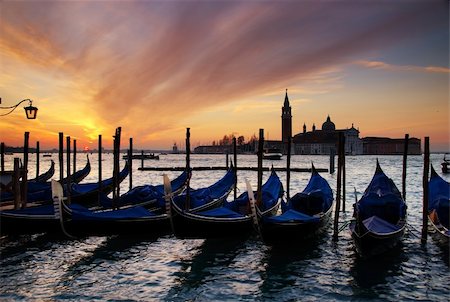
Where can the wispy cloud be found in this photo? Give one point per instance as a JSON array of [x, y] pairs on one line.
[[148, 65], [393, 67]]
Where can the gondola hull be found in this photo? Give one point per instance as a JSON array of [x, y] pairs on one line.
[[146, 226], [180, 219], [88, 194], [16, 223], [293, 232], [439, 234], [190, 225], [369, 244], [438, 208]]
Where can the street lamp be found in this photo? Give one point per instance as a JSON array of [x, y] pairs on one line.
[[30, 110]]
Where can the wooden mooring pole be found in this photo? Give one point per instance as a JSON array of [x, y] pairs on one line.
[[235, 168], [332, 164], [288, 168], [188, 166], [260, 162], [69, 176], [116, 190], [130, 164], [343, 173], [74, 155], [37, 159], [24, 192], [99, 166], [227, 160], [16, 183], [338, 189], [426, 170], [61, 156], [2, 156], [405, 156]]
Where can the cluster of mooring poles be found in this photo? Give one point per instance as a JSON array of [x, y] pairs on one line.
[[19, 175]]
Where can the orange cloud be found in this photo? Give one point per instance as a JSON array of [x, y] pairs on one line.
[[156, 67], [392, 67]]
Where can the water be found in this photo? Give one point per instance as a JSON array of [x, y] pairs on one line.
[[40, 267]]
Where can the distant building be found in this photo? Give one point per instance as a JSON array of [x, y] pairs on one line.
[[325, 141], [390, 146], [214, 149], [321, 141]]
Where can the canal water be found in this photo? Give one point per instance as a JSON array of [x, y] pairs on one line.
[[40, 267]]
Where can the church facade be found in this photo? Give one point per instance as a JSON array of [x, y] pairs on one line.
[[316, 141], [325, 140]]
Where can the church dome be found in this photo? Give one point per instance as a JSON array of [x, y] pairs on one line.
[[328, 125]]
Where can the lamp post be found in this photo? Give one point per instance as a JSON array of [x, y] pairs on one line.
[[30, 110]]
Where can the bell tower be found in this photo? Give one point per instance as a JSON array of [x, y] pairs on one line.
[[286, 120]]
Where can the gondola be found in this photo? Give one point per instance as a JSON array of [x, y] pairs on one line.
[[44, 177], [302, 217], [6, 190], [232, 219], [79, 175], [147, 195], [33, 219], [88, 194], [194, 201], [41, 191], [40, 217], [135, 219], [438, 208], [379, 216], [76, 220]]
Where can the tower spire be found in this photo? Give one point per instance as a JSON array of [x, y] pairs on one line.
[[286, 120], [286, 100]]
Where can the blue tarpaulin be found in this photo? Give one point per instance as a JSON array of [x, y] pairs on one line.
[[81, 213], [291, 216], [375, 224]]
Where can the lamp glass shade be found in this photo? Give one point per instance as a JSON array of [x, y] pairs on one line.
[[31, 112]]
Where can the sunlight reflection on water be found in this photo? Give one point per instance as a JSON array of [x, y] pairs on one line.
[[39, 267]]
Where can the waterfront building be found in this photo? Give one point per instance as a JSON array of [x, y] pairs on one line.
[[322, 141], [325, 141], [390, 146]]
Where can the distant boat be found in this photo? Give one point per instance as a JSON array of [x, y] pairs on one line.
[[272, 154], [47, 155], [142, 156], [445, 163]]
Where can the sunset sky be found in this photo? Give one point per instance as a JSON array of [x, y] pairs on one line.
[[221, 67]]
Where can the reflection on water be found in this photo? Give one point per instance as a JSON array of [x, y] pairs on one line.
[[208, 262], [40, 267], [285, 267], [377, 270], [110, 250]]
